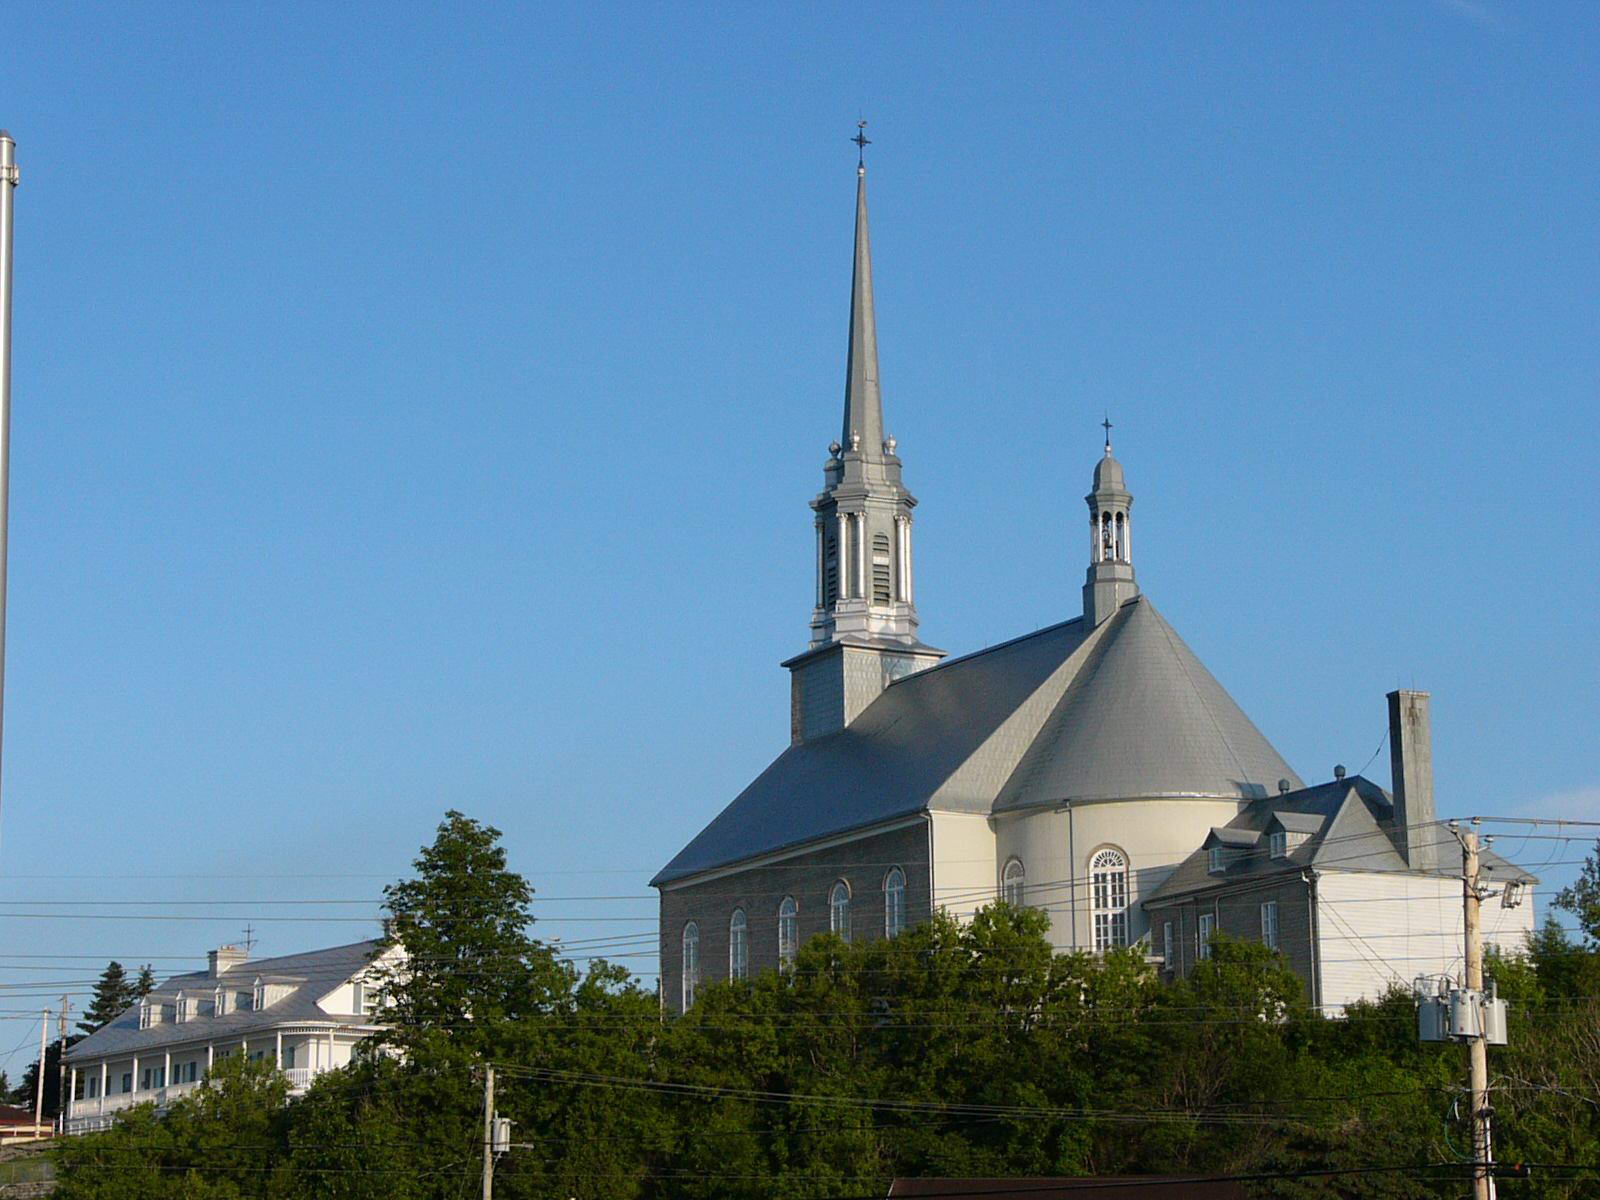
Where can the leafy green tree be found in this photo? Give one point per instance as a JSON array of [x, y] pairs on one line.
[[470, 964], [223, 1141], [113, 993]]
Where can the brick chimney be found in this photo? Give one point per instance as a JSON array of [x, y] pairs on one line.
[[224, 958], [1411, 762]]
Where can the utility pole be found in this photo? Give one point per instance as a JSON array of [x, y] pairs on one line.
[[62, 1098], [488, 1133], [1477, 1047], [8, 185], [38, 1079]]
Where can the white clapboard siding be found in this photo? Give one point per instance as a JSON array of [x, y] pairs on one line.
[[1377, 928]]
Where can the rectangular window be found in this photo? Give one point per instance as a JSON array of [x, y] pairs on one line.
[[127, 1081], [1269, 924], [1218, 862], [1203, 933], [1166, 945], [1280, 844], [288, 1058]]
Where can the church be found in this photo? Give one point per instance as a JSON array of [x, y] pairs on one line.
[[1075, 769]]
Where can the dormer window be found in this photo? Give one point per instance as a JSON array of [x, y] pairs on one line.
[[183, 1009], [146, 1014], [219, 1005], [1279, 842], [1219, 862], [258, 997]]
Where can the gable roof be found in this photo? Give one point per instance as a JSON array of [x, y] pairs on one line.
[[313, 974], [1350, 823], [1124, 710]]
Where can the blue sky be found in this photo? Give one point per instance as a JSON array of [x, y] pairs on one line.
[[417, 408]]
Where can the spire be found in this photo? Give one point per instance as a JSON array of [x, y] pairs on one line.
[[863, 405]]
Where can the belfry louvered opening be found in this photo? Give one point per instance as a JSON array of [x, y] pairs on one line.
[[882, 569]]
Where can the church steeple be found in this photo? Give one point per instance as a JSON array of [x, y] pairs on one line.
[[864, 512], [863, 403], [864, 621], [1110, 580]]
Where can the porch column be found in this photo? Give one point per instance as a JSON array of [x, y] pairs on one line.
[[104, 1072], [277, 1051], [135, 1074], [70, 1104], [211, 1053], [166, 1071], [330, 1049]]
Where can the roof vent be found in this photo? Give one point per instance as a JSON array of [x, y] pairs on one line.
[[1338, 770], [1283, 787]]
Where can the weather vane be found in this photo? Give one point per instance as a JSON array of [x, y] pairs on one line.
[[862, 142]]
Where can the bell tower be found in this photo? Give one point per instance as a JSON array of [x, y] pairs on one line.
[[1110, 580], [864, 620]]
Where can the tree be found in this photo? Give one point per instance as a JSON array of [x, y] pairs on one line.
[[223, 1141], [1581, 898], [470, 963], [113, 993], [145, 984]]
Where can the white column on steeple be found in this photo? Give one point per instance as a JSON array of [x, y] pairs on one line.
[[1127, 537], [822, 562], [862, 588], [905, 524], [845, 560]]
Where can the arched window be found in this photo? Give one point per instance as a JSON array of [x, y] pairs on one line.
[[839, 909], [691, 963], [738, 946], [894, 902], [788, 931], [1108, 886], [1013, 881]]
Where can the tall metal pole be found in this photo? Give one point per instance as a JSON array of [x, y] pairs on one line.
[[38, 1089], [8, 185], [488, 1133], [1477, 1047]]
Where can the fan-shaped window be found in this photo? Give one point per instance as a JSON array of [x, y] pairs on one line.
[[788, 931], [894, 902], [839, 909], [691, 963], [1013, 882], [1108, 886], [738, 946], [882, 570]]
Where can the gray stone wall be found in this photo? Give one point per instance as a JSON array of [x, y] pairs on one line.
[[862, 864], [1238, 915]]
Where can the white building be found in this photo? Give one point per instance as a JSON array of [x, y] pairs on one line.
[[306, 1012]]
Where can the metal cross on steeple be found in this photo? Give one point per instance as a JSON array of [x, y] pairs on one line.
[[862, 142], [1107, 424]]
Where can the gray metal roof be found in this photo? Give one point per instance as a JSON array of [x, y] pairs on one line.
[[1351, 827], [1121, 711], [314, 974]]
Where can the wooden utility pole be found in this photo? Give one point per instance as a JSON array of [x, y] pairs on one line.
[[1477, 1047], [488, 1133], [62, 1099]]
